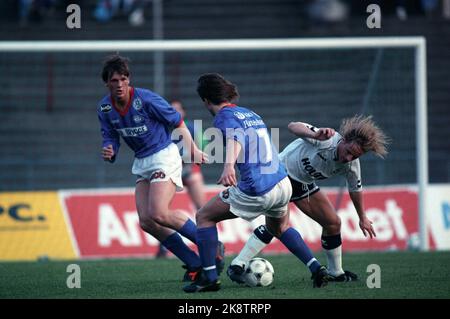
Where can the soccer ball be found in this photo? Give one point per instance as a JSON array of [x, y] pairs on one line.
[[259, 272]]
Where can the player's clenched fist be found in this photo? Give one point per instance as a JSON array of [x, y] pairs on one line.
[[107, 153], [324, 133]]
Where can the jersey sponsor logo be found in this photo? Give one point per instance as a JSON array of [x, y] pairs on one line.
[[105, 108], [137, 104], [242, 116], [138, 119], [239, 115], [133, 131], [311, 170], [250, 123]]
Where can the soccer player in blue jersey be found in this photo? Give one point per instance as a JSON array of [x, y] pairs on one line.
[[144, 121], [263, 188]]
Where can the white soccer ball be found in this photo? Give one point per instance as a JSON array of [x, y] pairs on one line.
[[258, 273]]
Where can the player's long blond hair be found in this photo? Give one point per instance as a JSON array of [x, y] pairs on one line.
[[363, 131]]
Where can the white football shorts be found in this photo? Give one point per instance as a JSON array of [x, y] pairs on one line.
[[160, 167], [273, 203]]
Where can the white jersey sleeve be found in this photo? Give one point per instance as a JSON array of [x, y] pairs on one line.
[[319, 144], [353, 176]]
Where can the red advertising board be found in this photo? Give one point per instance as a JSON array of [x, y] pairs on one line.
[[107, 225]]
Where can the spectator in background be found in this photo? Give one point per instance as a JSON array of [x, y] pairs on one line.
[[191, 173], [136, 17], [328, 11], [446, 9], [428, 7], [400, 10], [108, 9], [33, 10]]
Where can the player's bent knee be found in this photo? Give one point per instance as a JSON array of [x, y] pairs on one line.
[[337, 222], [148, 225], [333, 226], [200, 218], [146, 228], [161, 219], [159, 214], [276, 231], [203, 218]]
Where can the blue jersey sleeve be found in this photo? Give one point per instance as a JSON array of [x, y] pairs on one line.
[[230, 127], [162, 110], [109, 135]]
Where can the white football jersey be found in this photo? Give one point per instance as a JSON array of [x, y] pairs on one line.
[[308, 160]]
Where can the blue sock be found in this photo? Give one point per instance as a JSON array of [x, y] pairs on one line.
[[189, 230], [176, 245], [207, 240], [294, 242]]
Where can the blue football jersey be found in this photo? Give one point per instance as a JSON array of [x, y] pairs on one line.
[[258, 164], [145, 124]]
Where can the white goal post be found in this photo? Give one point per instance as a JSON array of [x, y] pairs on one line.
[[416, 43]]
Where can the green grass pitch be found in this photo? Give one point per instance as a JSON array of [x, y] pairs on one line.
[[403, 275]]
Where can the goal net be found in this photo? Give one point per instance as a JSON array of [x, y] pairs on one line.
[[50, 138]]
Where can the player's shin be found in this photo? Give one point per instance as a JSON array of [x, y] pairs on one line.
[[189, 230], [207, 240], [333, 250], [259, 239], [294, 242], [175, 244]]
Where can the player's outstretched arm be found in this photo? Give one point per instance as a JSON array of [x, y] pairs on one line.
[[364, 223], [198, 156], [305, 130]]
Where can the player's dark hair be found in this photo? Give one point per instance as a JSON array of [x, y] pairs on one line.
[[216, 89], [115, 63]]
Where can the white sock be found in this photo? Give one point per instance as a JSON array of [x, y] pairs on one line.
[[252, 248], [334, 259]]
